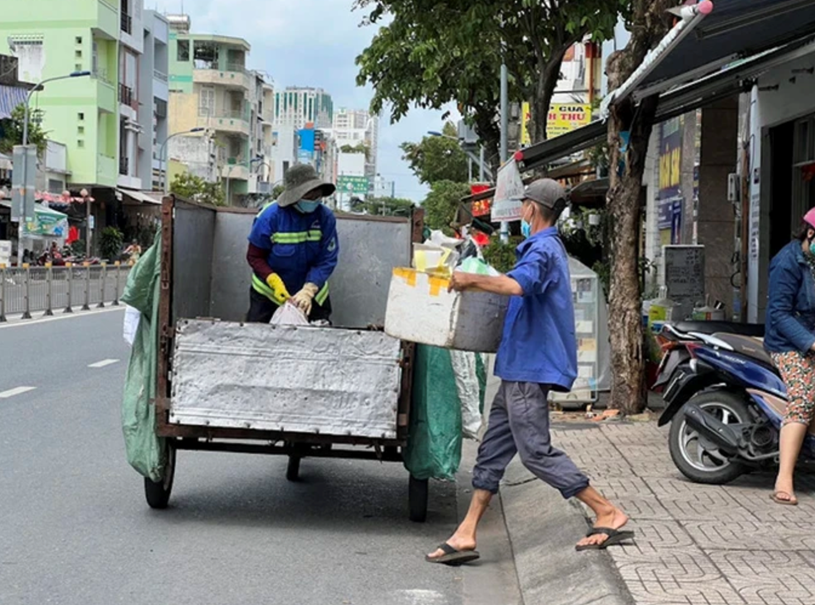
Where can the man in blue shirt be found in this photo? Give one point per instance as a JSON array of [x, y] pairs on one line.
[[538, 353], [293, 247]]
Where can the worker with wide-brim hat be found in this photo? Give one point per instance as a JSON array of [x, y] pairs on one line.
[[293, 247]]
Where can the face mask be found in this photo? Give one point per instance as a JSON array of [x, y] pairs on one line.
[[526, 228], [812, 247], [307, 206]]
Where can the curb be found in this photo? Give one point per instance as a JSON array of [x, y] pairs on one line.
[[543, 529]]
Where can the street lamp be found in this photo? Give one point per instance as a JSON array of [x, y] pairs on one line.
[[163, 154], [75, 74], [483, 169]]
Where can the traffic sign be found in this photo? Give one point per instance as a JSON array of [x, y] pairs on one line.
[[352, 184]]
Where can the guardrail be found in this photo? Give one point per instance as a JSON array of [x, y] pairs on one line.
[[33, 289]]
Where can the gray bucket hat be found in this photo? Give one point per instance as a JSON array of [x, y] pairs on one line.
[[299, 180]]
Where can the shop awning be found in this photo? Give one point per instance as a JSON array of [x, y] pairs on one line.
[[141, 197], [733, 30], [732, 80], [10, 98]]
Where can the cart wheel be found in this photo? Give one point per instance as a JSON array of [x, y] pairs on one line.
[[417, 499], [293, 469], [158, 494]]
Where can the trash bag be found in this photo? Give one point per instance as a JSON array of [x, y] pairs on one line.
[[464, 369], [434, 441], [289, 314], [146, 452]]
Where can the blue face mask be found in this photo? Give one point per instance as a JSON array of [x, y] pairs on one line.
[[307, 206], [812, 247], [526, 229]]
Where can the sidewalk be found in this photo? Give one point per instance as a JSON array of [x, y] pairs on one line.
[[696, 544]]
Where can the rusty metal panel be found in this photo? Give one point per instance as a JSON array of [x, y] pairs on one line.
[[193, 234], [369, 250], [291, 379]]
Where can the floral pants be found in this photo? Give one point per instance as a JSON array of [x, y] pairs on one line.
[[798, 373]]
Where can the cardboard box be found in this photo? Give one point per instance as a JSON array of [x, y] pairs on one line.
[[420, 309]]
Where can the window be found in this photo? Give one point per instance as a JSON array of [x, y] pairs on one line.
[[30, 55], [95, 59], [79, 40], [183, 53], [80, 143], [803, 162], [80, 116], [80, 130], [78, 54], [206, 101]]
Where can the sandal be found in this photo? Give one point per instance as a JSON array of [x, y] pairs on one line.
[[790, 500], [615, 536], [453, 556]]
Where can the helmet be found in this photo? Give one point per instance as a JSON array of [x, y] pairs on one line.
[[809, 218]]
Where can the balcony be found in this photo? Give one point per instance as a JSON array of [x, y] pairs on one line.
[[237, 171], [234, 76], [126, 97], [126, 23], [159, 75], [234, 122], [124, 166], [106, 171]]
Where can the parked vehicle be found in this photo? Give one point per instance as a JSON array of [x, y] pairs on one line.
[[726, 405], [673, 339]]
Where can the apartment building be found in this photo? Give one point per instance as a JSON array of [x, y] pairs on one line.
[[352, 127], [108, 121], [214, 94], [298, 106]]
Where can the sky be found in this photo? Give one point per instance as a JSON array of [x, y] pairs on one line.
[[312, 43]]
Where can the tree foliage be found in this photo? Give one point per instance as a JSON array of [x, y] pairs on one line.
[[383, 206], [195, 189], [360, 147], [434, 53], [437, 158], [12, 130], [441, 204]]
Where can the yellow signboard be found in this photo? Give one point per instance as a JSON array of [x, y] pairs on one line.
[[563, 118]]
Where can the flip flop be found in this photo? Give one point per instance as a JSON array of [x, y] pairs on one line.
[[790, 501], [615, 536], [453, 556]]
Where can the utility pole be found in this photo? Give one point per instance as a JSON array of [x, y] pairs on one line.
[[481, 165], [504, 135]]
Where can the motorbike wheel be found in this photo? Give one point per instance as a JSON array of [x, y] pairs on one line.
[[701, 461]]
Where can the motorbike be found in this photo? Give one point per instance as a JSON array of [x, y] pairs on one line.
[[726, 405], [673, 338]]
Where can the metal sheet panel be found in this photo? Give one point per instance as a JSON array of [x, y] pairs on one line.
[[193, 233], [285, 378], [369, 251]]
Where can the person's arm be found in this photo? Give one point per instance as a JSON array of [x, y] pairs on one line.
[[329, 254], [784, 285], [499, 284], [256, 257]]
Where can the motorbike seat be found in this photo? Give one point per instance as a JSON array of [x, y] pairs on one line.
[[748, 346], [714, 327]]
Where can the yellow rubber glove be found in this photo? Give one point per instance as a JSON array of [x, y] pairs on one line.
[[279, 291], [304, 298]]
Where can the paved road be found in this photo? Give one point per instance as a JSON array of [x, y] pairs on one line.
[[74, 527]]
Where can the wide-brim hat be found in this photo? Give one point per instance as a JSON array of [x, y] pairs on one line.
[[299, 180]]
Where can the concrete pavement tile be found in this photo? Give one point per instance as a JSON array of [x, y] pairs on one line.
[[799, 535], [686, 565], [764, 509], [654, 537], [668, 592], [737, 535], [769, 578], [625, 434]]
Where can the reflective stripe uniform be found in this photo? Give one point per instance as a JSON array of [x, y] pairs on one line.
[[303, 248]]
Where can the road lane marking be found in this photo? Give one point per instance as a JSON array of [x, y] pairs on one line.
[[15, 391], [103, 363]]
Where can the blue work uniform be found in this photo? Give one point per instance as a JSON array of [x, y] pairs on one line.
[[538, 353], [303, 248]]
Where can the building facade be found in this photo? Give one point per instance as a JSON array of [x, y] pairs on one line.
[[213, 93], [354, 128], [297, 107]]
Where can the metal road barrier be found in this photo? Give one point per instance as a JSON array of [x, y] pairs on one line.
[[29, 290]]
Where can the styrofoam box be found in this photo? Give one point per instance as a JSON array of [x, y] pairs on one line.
[[420, 309]]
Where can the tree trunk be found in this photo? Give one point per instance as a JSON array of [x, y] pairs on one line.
[[628, 388], [548, 77]]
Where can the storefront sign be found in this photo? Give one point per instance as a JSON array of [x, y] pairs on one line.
[[564, 118], [526, 115], [352, 184], [670, 159], [480, 207]]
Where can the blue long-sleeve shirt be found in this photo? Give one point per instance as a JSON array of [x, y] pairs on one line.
[[790, 323], [303, 248], [539, 344]]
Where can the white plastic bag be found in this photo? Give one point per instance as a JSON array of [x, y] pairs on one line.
[[131, 324], [289, 315], [468, 392]]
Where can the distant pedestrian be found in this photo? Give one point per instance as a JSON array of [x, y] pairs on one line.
[[538, 354], [790, 340], [133, 251]]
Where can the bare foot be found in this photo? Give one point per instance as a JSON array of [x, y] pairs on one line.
[[613, 519], [461, 543]]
